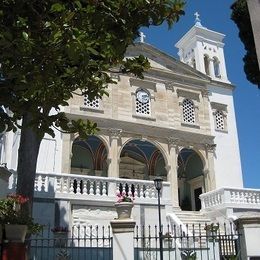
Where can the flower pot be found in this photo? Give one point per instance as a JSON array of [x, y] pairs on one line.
[[15, 233], [60, 238], [124, 209]]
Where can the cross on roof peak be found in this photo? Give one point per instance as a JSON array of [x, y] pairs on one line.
[[142, 37], [197, 19]]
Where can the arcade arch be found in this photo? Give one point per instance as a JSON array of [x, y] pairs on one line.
[[89, 157], [191, 181], [141, 160]]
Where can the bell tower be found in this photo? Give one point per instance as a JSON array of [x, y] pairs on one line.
[[202, 49]]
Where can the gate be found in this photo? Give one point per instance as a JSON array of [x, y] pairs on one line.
[[188, 242]]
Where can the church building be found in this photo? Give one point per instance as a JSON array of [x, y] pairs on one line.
[[178, 123]]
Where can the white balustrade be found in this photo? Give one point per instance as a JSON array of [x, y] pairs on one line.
[[68, 185], [231, 197]]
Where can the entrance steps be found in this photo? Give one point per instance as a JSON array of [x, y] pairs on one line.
[[191, 218], [191, 222]]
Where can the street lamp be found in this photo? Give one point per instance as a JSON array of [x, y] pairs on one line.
[[158, 185]]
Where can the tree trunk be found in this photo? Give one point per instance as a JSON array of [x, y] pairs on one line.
[[27, 161]]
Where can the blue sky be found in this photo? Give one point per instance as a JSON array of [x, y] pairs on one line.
[[215, 15]]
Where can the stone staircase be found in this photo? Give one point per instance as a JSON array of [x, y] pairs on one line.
[[194, 220], [189, 226]]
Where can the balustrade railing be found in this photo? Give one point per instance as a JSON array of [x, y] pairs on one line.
[[234, 197], [103, 187]]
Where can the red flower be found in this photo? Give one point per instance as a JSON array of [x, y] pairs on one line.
[[20, 199]]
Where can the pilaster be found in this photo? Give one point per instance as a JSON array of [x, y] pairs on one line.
[[113, 153], [210, 180]]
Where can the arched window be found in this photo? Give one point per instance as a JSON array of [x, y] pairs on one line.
[[219, 112], [220, 120], [188, 111], [216, 67], [94, 103], [206, 64], [142, 102]]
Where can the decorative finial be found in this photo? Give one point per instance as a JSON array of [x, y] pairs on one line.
[[197, 19], [142, 36]]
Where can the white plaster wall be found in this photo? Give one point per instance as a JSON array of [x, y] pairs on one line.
[[49, 158], [227, 162]]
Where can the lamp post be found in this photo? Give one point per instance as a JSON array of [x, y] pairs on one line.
[[158, 185]]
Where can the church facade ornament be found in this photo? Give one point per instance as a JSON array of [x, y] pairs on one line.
[[205, 93], [210, 147], [173, 142], [115, 133], [169, 86]]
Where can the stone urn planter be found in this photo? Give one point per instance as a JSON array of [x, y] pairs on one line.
[[124, 209], [15, 233]]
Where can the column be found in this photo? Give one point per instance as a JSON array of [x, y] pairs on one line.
[[172, 170], [113, 156], [123, 239], [211, 68], [210, 180], [66, 153]]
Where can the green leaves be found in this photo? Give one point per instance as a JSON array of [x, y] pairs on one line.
[[57, 7], [240, 16], [25, 35], [49, 49]]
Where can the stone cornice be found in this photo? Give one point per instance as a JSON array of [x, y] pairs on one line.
[[154, 131], [218, 106], [188, 94]]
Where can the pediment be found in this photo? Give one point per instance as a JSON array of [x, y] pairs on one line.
[[163, 63]]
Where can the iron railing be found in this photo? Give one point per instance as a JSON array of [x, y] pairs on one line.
[[87, 242], [202, 242]]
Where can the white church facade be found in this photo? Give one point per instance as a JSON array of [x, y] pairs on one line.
[[177, 123]]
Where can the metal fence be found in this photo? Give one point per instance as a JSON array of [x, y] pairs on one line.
[[80, 243], [188, 242]]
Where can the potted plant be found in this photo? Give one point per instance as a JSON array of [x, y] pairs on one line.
[[60, 235], [124, 205], [211, 229], [14, 221]]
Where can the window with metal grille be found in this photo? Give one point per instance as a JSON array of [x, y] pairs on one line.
[[188, 111], [91, 103], [143, 106], [220, 122]]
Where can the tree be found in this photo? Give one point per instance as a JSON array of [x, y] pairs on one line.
[[50, 49], [240, 15]]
